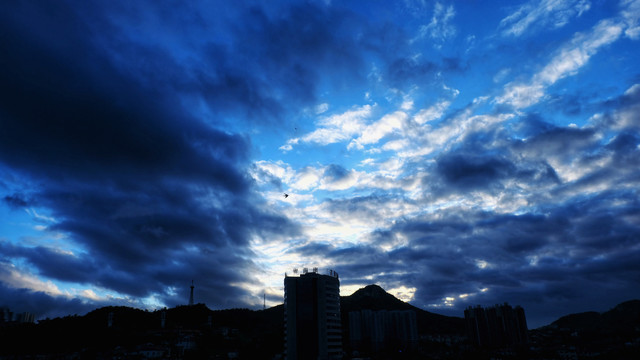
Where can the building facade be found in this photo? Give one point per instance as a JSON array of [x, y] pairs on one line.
[[496, 326], [313, 328], [383, 330]]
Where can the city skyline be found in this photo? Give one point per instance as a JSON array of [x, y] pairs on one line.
[[455, 153]]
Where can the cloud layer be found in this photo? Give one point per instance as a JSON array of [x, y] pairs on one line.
[[451, 153]]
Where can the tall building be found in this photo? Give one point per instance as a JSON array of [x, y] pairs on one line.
[[313, 328], [496, 326]]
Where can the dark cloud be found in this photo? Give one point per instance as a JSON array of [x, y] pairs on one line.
[[15, 201], [468, 172], [42, 304], [363, 207], [548, 263], [335, 172], [404, 69], [556, 141], [273, 63], [87, 118], [119, 120], [53, 264], [151, 195]]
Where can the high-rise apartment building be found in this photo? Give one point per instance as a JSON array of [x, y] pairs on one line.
[[383, 330], [313, 328], [496, 326]]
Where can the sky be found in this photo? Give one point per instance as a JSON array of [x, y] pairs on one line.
[[456, 153]]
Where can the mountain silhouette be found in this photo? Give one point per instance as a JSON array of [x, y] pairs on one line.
[[373, 297], [614, 334], [259, 334], [624, 316]]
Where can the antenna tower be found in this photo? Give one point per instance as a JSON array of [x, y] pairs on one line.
[[191, 296]]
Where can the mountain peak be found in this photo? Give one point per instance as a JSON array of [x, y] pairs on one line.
[[375, 298], [372, 290]]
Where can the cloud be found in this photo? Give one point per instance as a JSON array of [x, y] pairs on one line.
[[15, 201], [434, 112], [14, 277], [566, 62], [546, 214], [536, 15], [374, 132], [410, 70], [631, 16], [469, 172], [441, 254], [140, 144], [440, 27], [622, 112], [336, 128], [152, 195]]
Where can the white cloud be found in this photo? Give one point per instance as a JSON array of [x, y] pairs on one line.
[[277, 169], [440, 27], [521, 95], [501, 75], [454, 92], [581, 48], [396, 145], [335, 128], [307, 179], [568, 60], [391, 167], [634, 89], [90, 294], [625, 117], [454, 130], [542, 14], [631, 16], [432, 113], [39, 217], [407, 104], [20, 279], [322, 108], [403, 293], [379, 129], [351, 179]]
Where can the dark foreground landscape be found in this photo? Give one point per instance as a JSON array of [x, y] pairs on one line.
[[196, 332]]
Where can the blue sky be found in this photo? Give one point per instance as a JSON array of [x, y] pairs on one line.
[[454, 152]]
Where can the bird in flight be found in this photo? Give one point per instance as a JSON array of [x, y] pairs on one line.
[[286, 195]]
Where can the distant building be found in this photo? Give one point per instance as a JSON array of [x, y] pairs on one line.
[[26, 317], [383, 330], [313, 328], [5, 315], [496, 326]]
